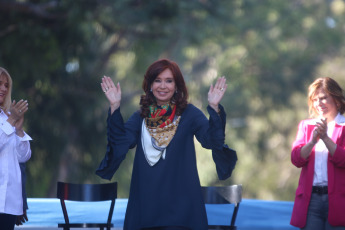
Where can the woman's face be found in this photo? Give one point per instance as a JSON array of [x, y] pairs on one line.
[[325, 105], [163, 87], [3, 89]]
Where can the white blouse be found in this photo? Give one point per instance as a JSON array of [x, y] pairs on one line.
[[13, 150], [321, 154]]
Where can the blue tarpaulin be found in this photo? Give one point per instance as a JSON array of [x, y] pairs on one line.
[[252, 215]]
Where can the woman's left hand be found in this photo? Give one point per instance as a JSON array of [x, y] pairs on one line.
[[216, 93], [18, 109], [16, 114]]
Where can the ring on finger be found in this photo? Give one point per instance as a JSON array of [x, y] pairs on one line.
[[20, 111], [221, 89]]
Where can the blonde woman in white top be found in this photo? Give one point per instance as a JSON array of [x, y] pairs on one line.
[[14, 149]]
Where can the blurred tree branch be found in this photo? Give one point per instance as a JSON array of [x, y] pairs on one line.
[[38, 10]]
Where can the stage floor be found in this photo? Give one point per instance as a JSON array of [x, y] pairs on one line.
[[46, 213]]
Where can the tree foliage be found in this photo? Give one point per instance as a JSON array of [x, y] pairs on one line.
[[57, 51]]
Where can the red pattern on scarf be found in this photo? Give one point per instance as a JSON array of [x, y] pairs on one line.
[[161, 112]]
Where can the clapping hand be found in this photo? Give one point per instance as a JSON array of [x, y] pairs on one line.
[[112, 92], [18, 109], [216, 93], [16, 115], [320, 130]]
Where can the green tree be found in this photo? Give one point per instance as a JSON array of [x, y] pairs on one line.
[[57, 51]]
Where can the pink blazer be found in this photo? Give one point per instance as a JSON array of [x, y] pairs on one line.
[[336, 175]]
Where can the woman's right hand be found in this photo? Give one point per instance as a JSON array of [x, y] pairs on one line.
[[112, 92], [320, 130], [316, 136]]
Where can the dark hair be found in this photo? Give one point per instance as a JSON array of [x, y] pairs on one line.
[[332, 88], [179, 98]]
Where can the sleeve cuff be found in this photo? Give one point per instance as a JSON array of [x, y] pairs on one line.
[[26, 137], [225, 161], [7, 128], [217, 115]]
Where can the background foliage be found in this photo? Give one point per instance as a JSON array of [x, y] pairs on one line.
[[270, 51]]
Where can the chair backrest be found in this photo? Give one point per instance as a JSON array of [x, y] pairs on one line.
[[87, 193], [224, 195]]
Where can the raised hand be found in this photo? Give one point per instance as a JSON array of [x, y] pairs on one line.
[[320, 131], [112, 92], [216, 93], [17, 111], [321, 128]]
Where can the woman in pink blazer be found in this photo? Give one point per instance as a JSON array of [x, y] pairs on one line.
[[319, 149]]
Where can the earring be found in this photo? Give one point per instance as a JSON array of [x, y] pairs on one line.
[[151, 90], [176, 91]]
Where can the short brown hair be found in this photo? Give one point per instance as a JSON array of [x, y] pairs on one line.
[[332, 88]]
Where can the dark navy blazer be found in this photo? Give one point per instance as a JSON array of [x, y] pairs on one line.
[[168, 193]]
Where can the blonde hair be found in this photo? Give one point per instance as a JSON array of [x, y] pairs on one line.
[[332, 88], [7, 103]]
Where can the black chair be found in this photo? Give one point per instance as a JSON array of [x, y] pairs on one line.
[[86, 193], [224, 195]]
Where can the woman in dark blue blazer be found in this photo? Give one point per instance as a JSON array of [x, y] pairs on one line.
[[165, 188]]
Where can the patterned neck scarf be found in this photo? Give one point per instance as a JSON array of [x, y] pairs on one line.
[[162, 124]]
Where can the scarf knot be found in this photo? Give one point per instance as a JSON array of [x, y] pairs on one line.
[[160, 127]]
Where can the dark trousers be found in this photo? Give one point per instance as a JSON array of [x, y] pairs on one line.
[[7, 221], [317, 218]]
